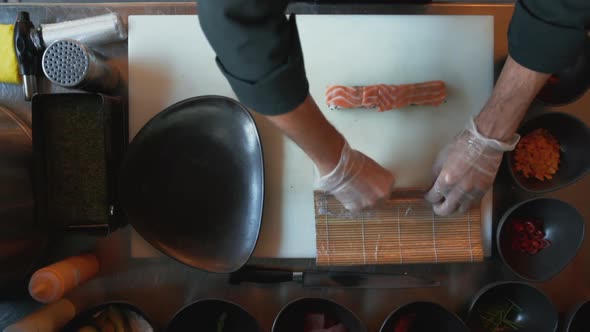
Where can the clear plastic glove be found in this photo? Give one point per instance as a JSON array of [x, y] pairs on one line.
[[465, 170], [357, 181]]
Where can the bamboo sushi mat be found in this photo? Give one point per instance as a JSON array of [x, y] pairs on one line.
[[398, 232]]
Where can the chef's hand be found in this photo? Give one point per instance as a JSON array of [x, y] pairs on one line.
[[357, 181], [465, 170]]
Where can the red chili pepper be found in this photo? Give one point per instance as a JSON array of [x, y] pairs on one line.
[[538, 234], [518, 227], [528, 236], [515, 245], [530, 227]]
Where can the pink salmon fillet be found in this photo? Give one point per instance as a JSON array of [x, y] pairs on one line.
[[386, 97]]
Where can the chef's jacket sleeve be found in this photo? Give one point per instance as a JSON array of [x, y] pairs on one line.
[[258, 51], [547, 35]]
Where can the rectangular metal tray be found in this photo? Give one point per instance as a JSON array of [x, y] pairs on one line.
[[78, 145]]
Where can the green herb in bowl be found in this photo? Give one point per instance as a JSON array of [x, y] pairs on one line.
[[500, 317], [221, 322]]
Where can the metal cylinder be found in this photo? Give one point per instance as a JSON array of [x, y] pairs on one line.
[[96, 30], [70, 64], [29, 86]]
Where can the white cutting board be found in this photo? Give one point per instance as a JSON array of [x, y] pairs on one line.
[[170, 60]]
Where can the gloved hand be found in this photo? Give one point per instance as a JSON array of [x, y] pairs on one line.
[[357, 181], [465, 170]]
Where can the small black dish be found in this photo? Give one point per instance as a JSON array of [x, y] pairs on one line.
[[528, 307], [213, 315], [570, 84], [292, 316], [134, 319], [423, 317], [563, 226], [573, 137], [578, 319]]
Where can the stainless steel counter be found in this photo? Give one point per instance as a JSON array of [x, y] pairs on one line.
[[161, 286]]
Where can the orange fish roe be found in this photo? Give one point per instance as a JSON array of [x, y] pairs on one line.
[[537, 155]]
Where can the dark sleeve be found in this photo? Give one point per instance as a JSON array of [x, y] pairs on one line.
[[258, 51], [547, 35]]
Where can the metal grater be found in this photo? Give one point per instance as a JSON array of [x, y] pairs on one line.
[[65, 62], [71, 64]]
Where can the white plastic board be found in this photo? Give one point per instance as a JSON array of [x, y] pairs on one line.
[[170, 60]]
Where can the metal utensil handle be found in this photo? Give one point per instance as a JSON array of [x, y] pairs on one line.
[[260, 276]]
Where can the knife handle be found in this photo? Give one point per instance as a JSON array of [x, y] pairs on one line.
[[260, 276]]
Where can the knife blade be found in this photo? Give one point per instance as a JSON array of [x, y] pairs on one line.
[[320, 279], [364, 280]]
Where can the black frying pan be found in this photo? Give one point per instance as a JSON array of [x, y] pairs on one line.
[[192, 183]]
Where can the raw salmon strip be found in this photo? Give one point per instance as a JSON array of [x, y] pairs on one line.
[[386, 97]]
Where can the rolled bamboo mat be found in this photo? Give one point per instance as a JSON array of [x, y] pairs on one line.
[[401, 231]]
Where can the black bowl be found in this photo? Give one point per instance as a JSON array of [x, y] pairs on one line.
[[425, 317], [570, 84], [205, 315], [292, 317], [578, 319], [563, 226], [573, 137], [134, 317], [534, 312]]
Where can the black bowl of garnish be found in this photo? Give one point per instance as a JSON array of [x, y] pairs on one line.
[[112, 316], [553, 152], [213, 315], [569, 84], [423, 317], [312, 314], [539, 237], [511, 306], [578, 319]]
